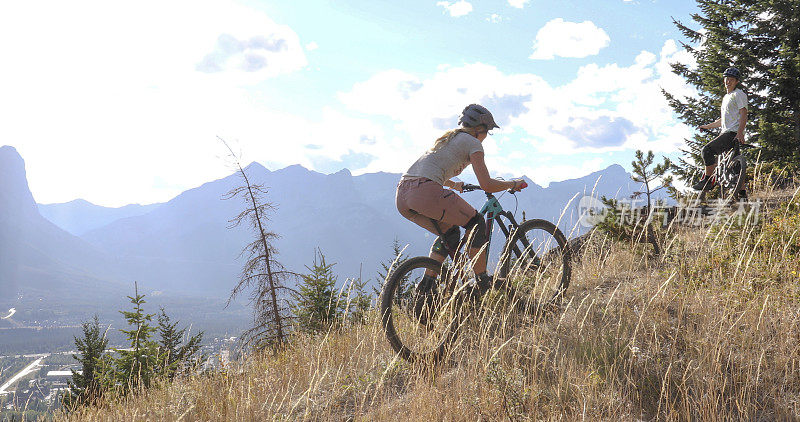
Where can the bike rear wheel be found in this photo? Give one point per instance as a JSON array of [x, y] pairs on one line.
[[535, 264], [419, 322]]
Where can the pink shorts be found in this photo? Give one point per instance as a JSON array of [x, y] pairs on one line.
[[422, 199]]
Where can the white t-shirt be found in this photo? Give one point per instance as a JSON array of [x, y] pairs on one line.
[[732, 102], [446, 162]]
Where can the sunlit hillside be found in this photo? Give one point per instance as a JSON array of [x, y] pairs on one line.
[[709, 330]]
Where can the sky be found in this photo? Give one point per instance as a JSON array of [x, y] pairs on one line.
[[122, 102]]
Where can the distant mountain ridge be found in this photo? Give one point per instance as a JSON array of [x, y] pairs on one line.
[[37, 256], [352, 219], [80, 216], [55, 279], [185, 245], [16, 199], [188, 237]]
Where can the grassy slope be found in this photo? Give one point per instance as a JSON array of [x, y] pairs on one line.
[[709, 331]]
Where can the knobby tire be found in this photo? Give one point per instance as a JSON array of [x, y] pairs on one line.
[[535, 264], [412, 339]]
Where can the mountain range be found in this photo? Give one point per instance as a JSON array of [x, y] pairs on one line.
[[54, 279], [185, 245], [80, 216], [36, 256]]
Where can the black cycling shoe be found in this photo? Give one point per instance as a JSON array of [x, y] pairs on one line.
[[706, 183], [483, 283]]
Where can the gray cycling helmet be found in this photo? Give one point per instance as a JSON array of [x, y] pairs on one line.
[[474, 115], [732, 71]]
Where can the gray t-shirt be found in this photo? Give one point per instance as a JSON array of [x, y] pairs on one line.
[[446, 162]]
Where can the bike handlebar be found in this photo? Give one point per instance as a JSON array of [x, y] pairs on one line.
[[469, 188]]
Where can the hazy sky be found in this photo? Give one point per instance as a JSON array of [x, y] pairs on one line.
[[121, 102]]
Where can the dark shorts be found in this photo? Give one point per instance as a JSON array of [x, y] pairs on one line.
[[720, 144], [421, 200]]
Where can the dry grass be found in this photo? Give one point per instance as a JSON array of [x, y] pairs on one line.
[[709, 331]]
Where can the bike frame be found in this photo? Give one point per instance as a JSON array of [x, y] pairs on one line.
[[491, 211]]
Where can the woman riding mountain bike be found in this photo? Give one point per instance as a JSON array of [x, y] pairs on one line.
[[423, 199]]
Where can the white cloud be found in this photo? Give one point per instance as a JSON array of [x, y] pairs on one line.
[[633, 93], [105, 40], [456, 9], [559, 38], [426, 107], [116, 85], [311, 46], [260, 55], [603, 109], [108, 113], [519, 4], [494, 18]]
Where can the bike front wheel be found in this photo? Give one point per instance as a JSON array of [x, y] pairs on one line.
[[732, 178], [419, 314], [535, 264]]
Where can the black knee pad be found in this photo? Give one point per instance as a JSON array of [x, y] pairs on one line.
[[479, 238], [451, 239]]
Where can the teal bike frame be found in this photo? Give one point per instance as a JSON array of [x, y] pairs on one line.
[[491, 210]]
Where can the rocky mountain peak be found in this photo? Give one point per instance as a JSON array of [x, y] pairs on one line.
[[15, 196]]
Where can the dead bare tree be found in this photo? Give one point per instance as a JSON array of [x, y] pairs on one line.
[[262, 274]]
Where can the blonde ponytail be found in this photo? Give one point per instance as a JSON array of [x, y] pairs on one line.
[[450, 134]]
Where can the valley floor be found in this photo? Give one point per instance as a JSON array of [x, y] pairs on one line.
[[34, 366]]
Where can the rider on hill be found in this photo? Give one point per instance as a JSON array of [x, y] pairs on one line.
[[732, 122], [423, 199]]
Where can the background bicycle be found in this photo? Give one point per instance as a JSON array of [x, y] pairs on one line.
[[730, 174]]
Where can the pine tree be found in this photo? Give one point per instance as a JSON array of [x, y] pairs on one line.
[[317, 306], [359, 300], [173, 352], [85, 387], [774, 37], [642, 173], [137, 365], [762, 39], [387, 266], [646, 176]]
